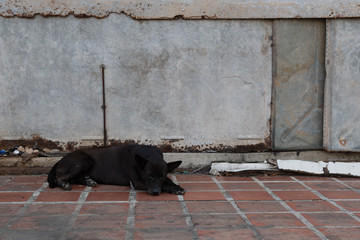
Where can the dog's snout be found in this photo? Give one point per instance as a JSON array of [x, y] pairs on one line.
[[155, 192]]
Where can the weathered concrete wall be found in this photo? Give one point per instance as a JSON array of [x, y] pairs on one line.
[[192, 84], [185, 84], [50, 79], [342, 91], [299, 76], [188, 9]]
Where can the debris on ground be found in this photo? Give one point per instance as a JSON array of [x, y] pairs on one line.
[[27, 153]]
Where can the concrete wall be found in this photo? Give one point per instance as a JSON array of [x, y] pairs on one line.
[[196, 84], [187, 85]]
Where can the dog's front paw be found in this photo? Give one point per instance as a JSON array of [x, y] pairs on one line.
[[66, 186], [177, 191], [180, 192]]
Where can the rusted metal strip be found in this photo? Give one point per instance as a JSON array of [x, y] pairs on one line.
[[102, 66], [186, 9]]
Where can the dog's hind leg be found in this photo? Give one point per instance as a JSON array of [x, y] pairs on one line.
[[71, 167], [170, 187], [64, 180], [86, 180]]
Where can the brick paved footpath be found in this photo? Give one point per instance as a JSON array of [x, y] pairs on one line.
[[278, 207]]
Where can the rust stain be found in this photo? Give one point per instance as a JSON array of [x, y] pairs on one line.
[[165, 145], [342, 142], [170, 146]]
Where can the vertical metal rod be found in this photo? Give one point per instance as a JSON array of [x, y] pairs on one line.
[[102, 66]]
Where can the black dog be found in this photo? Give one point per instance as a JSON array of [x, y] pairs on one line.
[[143, 167]]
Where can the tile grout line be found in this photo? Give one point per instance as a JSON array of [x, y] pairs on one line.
[[130, 222], [332, 202], [81, 200], [237, 209], [346, 185], [186, 213], [22, 210], [286, 206]]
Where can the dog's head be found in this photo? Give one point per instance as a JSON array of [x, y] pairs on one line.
[[153, 170]]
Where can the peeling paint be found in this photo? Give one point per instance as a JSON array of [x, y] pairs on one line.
[[184, 9]]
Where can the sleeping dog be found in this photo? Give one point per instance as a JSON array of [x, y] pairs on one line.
[[139, 166]]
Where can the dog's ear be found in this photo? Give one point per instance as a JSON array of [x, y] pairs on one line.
[[172, 165], [140, 161]]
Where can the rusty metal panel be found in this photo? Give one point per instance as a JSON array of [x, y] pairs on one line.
[[299, 77], [342, 88], [195, 85], [194, 9]]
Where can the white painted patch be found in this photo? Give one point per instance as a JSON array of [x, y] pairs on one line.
[[217, 168], [344, 168], [336, 168], [302, 166]]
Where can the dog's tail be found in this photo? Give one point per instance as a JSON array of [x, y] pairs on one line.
[[51, 177]]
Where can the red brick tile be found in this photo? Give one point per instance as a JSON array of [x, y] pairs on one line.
[[20, 187], [258, 206], [223, 234], [341, 233], [313, 178], [158, 208], [199, 186], [74, 188], [144, 196], [325, 185], [50, 209], [210, 207], [250, 195], [108, 196], [41, 222], [9, 209], [275, 220], [100, 222], [15, 197], [312, 206], [218, 221], [330, 219], [353, 184], [296, 195], [4, 179], [234, 178], [241, 186], [284, 185], [105, 209], [350, 205], [194, 178], [197, 196], [157, 234], [30, 179], [4, 221], [110, 188], [20, 234], [341, 194], [288, 233], [275, 178], [58, 196], [107, 234], [160, 221]]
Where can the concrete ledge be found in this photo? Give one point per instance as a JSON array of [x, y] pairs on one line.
[[190, 160], [174, 9]]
